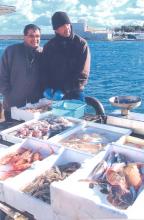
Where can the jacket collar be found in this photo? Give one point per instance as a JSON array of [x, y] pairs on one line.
[[31, 49], [65, 39]]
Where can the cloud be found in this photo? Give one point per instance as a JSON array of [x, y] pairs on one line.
[[104, 13]]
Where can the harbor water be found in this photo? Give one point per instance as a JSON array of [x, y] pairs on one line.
[[116, 69]]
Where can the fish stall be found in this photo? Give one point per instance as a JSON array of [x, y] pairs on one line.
[[59, 167]]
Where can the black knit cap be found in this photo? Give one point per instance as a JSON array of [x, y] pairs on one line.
[[60, 18]]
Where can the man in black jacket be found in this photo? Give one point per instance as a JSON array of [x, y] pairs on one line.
[[65, 60], [19, 71]]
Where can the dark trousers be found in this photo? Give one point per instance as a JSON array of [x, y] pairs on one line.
[[7, 115]]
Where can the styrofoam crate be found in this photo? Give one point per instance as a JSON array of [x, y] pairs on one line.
[[10, 134], [90, 137], [3, 147], [30, 146], [132, 142], [133, 120], [27, 204], [15, 197], [27, 112], [89, 203], [2, 199], [76, 108]]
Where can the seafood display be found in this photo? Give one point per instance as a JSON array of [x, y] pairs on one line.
[[16, 162], [40, 187], [89, 139], [44, 128], [37, 108], [120, 178], [31, 111], [41, 106]]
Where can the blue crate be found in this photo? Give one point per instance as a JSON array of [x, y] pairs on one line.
[[76, 108]]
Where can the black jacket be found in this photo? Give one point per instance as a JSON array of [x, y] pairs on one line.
[[19, 76], [65, 63]]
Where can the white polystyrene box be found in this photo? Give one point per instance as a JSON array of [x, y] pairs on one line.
[[46, 151], [69, 155], [1, 193], [133, 120], [90, 134], [90, 203], [3, 147], [132, 142], [16, 198], [10, 133], [7, 134], [27, 204], [23, 113]]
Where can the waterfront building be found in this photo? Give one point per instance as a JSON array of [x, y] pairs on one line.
[[81, 28]]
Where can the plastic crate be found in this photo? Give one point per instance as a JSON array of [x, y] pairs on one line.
[[76, 108]]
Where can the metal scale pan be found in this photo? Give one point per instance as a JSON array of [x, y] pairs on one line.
[[126, 103]]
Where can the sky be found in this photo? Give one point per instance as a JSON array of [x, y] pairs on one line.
[[96, 13]]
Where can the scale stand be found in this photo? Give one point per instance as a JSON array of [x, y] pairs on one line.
[[124, 118], [125, 103]]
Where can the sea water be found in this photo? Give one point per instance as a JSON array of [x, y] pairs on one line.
[[117, 68]]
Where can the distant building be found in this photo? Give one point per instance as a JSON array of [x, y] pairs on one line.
[[80, 27], [83, 30]]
